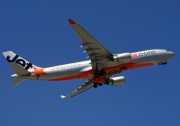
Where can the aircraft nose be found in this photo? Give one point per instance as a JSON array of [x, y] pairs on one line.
[[171, 54]]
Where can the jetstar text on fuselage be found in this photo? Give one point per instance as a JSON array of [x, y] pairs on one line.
[[142, 54]]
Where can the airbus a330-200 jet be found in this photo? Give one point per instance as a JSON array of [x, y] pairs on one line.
[[99, 70]]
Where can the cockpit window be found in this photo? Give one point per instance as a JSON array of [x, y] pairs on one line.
[[167, 50]]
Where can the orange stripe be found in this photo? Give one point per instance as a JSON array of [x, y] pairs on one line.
[[114, 69]]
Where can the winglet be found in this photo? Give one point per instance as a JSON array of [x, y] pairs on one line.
[[71, 21], [62, 96]]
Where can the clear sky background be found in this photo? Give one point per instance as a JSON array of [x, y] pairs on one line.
[[38, 31]]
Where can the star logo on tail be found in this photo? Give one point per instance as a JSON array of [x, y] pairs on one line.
[[38, 72]]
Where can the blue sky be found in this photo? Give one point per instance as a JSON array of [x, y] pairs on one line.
[[39, 32]]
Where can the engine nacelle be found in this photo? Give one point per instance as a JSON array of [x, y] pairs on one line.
[[116, 81], [123, 57]]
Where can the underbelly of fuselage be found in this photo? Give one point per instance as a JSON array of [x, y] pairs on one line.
[[63, 75]]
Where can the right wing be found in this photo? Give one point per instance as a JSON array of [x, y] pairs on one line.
[[96, 52], [82, 88]]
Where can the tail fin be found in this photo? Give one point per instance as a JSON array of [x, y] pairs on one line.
[[11, 57], [19, 65], [20, 73], [19, 70]]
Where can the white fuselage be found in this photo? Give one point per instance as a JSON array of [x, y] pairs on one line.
[[83, 70]]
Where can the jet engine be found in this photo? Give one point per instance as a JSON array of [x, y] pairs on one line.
[[123, 57], [116, 81]]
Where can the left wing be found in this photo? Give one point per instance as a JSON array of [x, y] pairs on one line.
[[82, 88], [98, 54]]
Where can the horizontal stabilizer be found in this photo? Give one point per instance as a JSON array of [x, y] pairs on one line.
[[17, 81]]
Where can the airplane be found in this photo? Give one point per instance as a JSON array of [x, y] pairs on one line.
[[97, 71]]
